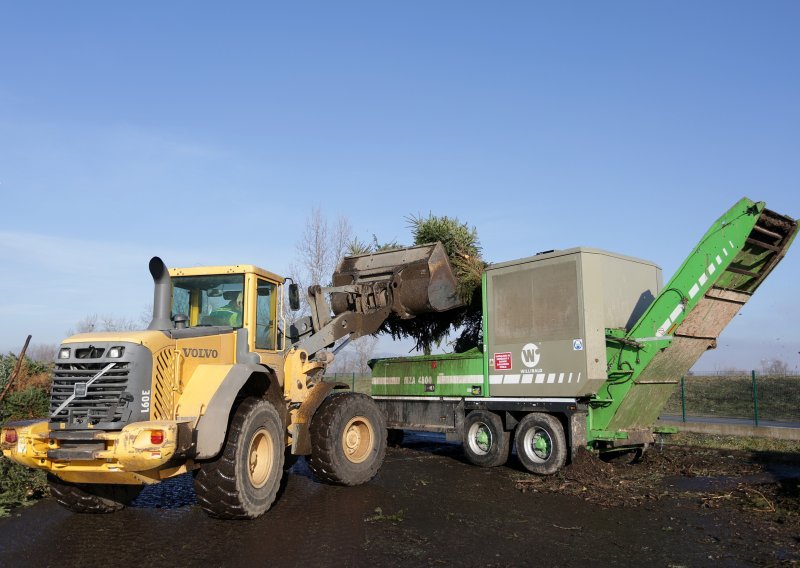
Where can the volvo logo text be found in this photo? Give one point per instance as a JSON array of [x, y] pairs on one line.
[[200, 353]]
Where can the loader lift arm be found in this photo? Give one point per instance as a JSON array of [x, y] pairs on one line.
[[366, 290]]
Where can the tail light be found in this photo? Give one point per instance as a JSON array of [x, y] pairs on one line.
[[10, 436], [156, 437]]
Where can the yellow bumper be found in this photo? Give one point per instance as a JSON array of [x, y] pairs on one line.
[[129, 451]]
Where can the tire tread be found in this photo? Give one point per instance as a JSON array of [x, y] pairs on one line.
[[325, 459], [92, 498], [215, 482]]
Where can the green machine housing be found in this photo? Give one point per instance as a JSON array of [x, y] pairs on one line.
[[589, 337]]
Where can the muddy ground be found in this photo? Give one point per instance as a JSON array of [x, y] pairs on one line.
[[427, 507]]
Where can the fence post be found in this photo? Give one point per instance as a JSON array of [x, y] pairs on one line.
[[755, 397], [353, 388], [683, 399]]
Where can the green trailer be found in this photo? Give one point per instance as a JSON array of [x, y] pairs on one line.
[[582, 347]]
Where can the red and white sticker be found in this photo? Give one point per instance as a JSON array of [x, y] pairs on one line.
[[502, 361]]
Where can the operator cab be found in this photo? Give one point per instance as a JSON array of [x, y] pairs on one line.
[[230, 296]]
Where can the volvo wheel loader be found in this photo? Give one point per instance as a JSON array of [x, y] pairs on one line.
[[219, 386]]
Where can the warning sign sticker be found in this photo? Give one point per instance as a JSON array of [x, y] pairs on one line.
[[502, 361]]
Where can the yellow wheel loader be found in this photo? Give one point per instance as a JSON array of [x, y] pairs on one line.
[[218, 385]]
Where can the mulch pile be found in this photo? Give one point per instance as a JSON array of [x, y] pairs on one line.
[[714, 478]]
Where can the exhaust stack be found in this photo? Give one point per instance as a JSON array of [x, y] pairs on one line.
[[162, 295]]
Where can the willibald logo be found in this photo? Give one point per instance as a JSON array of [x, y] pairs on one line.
[[530, 355]]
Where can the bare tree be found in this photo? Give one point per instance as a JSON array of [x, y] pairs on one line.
[[106, 322], [729, 371], [85, 325], [774, 367], [342, 236], [363, 349], [114, 323], [343, 363], [145, 316], [319, 250], [42, 352], [355, 357]]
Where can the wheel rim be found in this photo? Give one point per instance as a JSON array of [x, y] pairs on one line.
[[480, 438], [358, 439], [538, 444], [259, 458]]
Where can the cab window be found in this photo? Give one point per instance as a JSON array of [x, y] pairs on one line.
[[209, 300], [266, 312]]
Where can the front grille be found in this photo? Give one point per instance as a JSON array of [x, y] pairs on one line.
[[103, 400]]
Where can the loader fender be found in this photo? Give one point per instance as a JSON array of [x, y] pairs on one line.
[[209, 398]]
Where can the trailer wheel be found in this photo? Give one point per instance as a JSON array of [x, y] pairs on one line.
[[541, 444], [92, 497], [348, 439], [486, 443], [242, 482]]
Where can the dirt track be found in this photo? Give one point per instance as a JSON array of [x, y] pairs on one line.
[[680, 507]]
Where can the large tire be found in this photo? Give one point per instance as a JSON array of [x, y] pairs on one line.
[[348, 439], [486, 443], [242, 482], [92, 497], [541, 444]]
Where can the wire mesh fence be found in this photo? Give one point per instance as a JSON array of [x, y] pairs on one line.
[[751, 396]]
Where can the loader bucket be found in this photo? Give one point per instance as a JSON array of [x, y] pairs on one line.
[[413, 280]]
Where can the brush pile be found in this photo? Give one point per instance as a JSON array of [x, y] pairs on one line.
[[463, 249]]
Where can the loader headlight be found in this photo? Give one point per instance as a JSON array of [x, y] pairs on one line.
[[115, 352], [64, 353]]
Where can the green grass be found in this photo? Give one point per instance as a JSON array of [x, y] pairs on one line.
[[745, 443], [732, 397]]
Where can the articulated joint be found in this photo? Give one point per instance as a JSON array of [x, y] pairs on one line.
[[297, 368]]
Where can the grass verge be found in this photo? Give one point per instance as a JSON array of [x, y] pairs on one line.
[[744, 443]]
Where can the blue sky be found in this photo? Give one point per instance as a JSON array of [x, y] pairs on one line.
[[205, 132]]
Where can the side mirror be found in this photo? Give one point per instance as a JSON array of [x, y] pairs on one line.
[[294, 297]]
